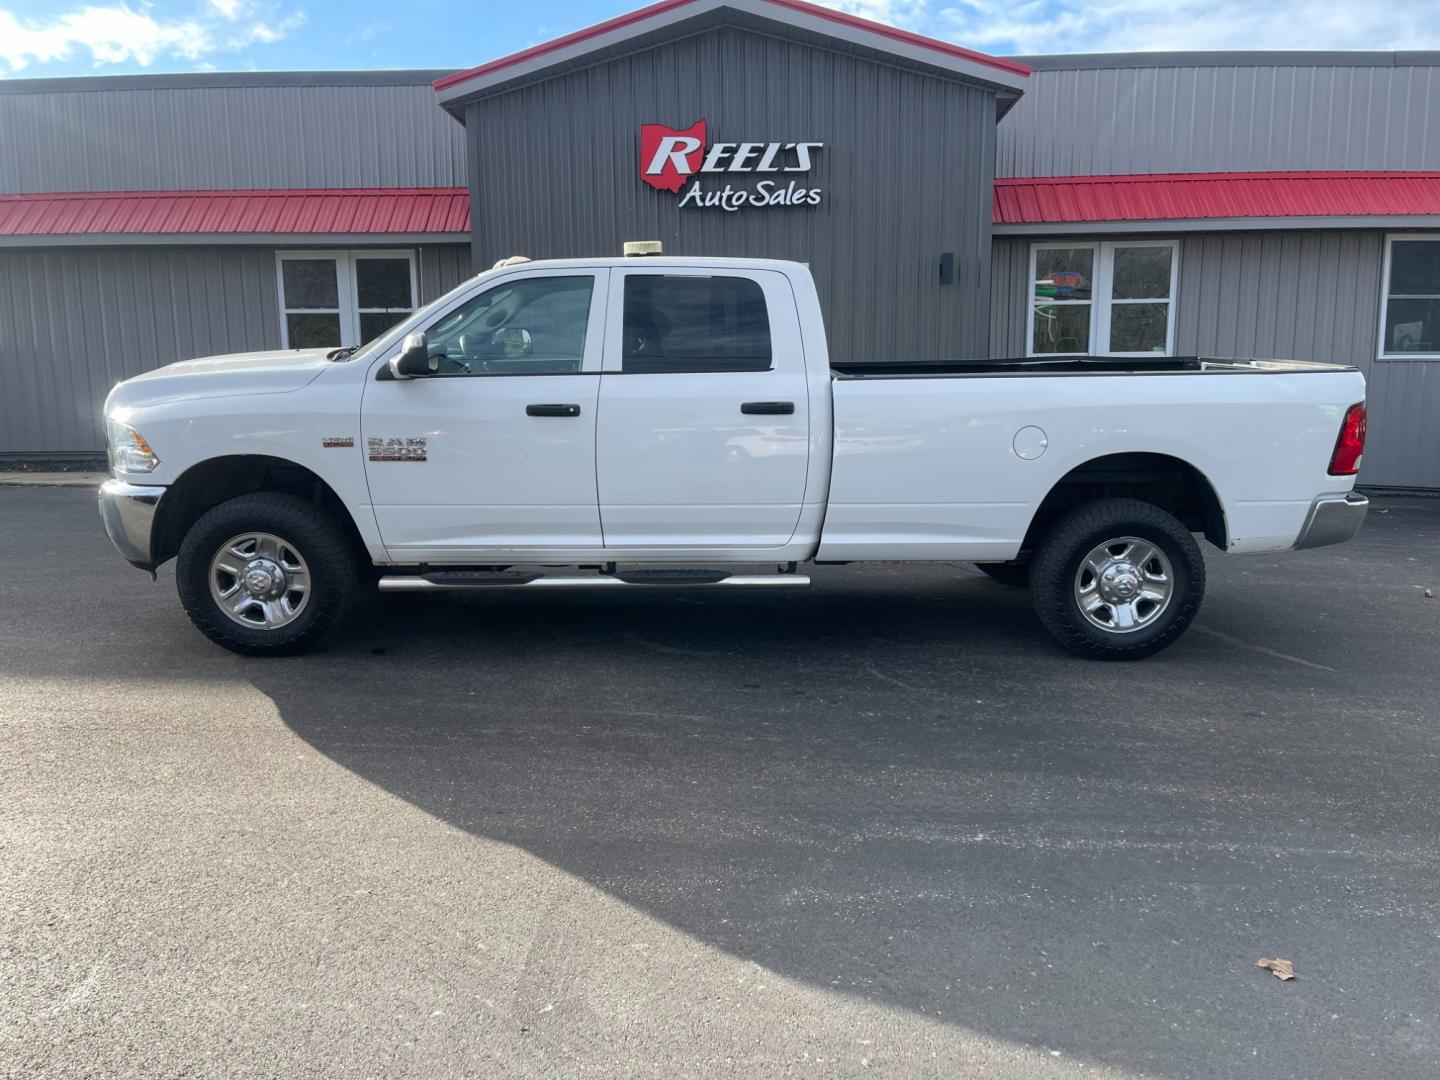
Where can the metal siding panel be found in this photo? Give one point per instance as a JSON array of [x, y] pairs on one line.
[[894, 201], [1222, 118], [227, 137], [144, 307], [1010, 295], [441, 268], [1403, 447]]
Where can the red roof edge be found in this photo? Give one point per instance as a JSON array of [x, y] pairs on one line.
[[51, 196], [1124, 178], [1156, 197], [663, 6], [279, 211]]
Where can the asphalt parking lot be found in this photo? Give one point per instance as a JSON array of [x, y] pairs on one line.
[[883, 827]]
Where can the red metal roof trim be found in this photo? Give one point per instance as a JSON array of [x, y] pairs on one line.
[[640, 15], [368, 211], [1199, 196]]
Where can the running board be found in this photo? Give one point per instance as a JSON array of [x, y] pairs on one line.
[[451, 581]]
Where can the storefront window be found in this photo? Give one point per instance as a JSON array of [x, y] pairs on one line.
[[335, 298], [1412, 298], [1111, 298]]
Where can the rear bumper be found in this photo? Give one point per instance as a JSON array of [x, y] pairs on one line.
[[128, 512], [1333, 519]]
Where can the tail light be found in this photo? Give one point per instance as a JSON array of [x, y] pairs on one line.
[[1345, 461]]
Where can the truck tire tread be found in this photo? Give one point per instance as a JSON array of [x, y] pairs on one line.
[[1055, 564], [320, 541]]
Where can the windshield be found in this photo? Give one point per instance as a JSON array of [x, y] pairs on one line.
[[417, 319]]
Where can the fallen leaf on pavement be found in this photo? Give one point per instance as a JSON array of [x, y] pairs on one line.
[[1281, 969]]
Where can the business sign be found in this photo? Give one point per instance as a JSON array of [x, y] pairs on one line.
[[671, 159]]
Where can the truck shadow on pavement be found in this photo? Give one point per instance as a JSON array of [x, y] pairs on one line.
[[914, 798]]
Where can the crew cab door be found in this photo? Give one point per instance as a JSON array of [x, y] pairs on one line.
[[703, 436], [494, 454]]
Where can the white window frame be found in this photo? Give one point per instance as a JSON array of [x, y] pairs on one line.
[[1100, 302], [1385, 298], [347, 287]]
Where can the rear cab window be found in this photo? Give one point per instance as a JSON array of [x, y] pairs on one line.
[[692, 323]]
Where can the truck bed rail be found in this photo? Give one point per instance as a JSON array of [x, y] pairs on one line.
[[1072, 365]]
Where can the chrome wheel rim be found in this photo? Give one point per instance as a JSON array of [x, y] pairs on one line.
[[259, 581], [1124, 585]]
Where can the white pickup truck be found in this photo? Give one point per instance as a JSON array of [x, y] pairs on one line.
[[677, 423]]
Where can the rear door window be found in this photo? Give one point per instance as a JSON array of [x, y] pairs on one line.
[[682, 322]]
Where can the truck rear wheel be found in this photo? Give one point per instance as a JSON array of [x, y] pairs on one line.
[[265, 574], [1117, 579]]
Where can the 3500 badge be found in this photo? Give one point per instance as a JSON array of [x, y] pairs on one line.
[[395, 449]]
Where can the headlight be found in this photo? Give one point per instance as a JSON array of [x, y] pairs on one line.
[[129, 452]]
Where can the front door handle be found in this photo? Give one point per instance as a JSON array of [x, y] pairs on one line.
[[768, 408], [552, 410]]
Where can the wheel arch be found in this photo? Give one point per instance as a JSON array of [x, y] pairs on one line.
[[1163, 480], [213, 481]]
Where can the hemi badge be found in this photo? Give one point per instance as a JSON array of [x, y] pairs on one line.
[[333, 441]]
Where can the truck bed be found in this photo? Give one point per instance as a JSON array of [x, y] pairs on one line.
[[1069, 365]]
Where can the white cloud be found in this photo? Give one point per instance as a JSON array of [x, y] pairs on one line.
[[1067, 26], [119, 32]]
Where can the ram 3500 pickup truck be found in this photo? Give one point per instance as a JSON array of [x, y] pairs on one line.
[[670, 422]]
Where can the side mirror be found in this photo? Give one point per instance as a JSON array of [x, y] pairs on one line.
[[514, 341], [414, 360]]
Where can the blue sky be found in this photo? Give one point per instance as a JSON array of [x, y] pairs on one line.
[[80, 37]]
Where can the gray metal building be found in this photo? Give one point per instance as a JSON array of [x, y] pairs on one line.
[[949, 203]]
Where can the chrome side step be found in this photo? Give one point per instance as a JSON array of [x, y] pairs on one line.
[[451, 581]]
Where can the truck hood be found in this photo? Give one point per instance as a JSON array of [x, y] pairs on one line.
[[278, 372]]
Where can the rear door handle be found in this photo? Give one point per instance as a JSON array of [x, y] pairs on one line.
[[552, 410], [768, 408]]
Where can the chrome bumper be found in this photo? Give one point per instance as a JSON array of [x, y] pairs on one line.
[[128, 512], [1333, 519]]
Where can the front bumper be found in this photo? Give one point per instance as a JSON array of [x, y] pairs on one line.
[[128, 512], [1333, 519]]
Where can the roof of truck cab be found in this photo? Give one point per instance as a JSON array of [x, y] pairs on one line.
[[660, 262]]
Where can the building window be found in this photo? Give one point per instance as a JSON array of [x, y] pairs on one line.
[[1104, 298], [335, 298], [1410, 321]]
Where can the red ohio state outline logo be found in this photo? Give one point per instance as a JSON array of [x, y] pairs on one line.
[[670, 157]]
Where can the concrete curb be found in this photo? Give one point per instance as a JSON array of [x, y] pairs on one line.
[[53, 479]]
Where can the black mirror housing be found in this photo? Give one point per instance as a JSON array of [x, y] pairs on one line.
[[414, 360]]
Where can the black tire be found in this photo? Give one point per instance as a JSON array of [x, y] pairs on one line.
[[320, 542], [1057, 566], [1006, 573]]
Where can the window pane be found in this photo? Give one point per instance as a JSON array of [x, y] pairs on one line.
[[1063, 273], [1138, 327], [533, 326], [1412, 326], [1415, 268], [375, 323], [1141, 273], [1062, 328], [313, 331], [310, 283], [383, 283], [681, 323]]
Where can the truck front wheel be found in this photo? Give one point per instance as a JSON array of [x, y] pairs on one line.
[[265, 574], [1117, 579]]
